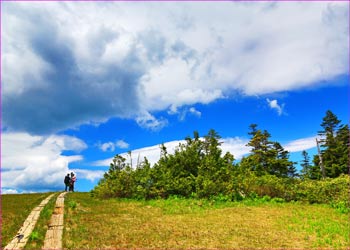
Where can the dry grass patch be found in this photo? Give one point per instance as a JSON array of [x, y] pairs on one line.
[[112, 224]]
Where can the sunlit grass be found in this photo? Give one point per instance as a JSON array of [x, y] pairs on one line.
[[187, 223], [15, 208]]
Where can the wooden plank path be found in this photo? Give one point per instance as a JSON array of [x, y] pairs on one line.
[[22, 237], [53, 238]]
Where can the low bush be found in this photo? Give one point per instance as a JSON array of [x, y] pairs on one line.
[[335, 191], [324, 191]]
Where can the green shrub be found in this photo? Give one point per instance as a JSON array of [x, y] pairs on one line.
[[326, 191]]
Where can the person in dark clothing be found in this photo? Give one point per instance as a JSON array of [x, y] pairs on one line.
[[67, 182]]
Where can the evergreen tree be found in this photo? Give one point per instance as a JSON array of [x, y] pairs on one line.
[[267, 157], [341, 151], [118, 181], [279, 163], [330, 124], [335, 146], [309, 171], [260, 147]]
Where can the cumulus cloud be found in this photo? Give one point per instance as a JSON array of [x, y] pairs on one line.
[[183, 112], [72, 63], [107, 146], [122, 144], [66, 90], [195, 112], [273, 104], [146, 120], [111, 146], [36, 163], [91, 175]]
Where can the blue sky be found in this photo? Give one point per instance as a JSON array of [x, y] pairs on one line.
[[84, 81]]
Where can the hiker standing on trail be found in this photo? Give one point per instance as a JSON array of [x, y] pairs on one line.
[[73, 179], [67, 182]]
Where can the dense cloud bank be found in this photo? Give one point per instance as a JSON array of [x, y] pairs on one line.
[[68, 64]]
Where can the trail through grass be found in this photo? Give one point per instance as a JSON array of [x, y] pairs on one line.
[[14, 210], [37, 237], [181, 223]]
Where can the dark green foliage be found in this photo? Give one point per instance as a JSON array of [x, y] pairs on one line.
[[332, 191], [267, 157], [323, 191], [197, 168], [335, 146], [309, 171]]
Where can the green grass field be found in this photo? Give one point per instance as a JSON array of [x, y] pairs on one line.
[[181, 223], [186, 223]]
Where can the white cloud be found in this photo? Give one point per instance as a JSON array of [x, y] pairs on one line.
[[236, 146], [36, 162], [137, 156], [273, 104], [91, 175], [155, 55], [301, 144], [146, 120], [107, 146], [111, 146], [122, 144], [9, 191], [183, 112], [195, 112]]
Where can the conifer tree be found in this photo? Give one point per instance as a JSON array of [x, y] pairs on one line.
[[267, 157], [335, 146], [309, 171]]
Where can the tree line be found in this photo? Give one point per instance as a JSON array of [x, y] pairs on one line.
[[198, 167]]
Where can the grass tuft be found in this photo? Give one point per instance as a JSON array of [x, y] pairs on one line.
[[34, 236]]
